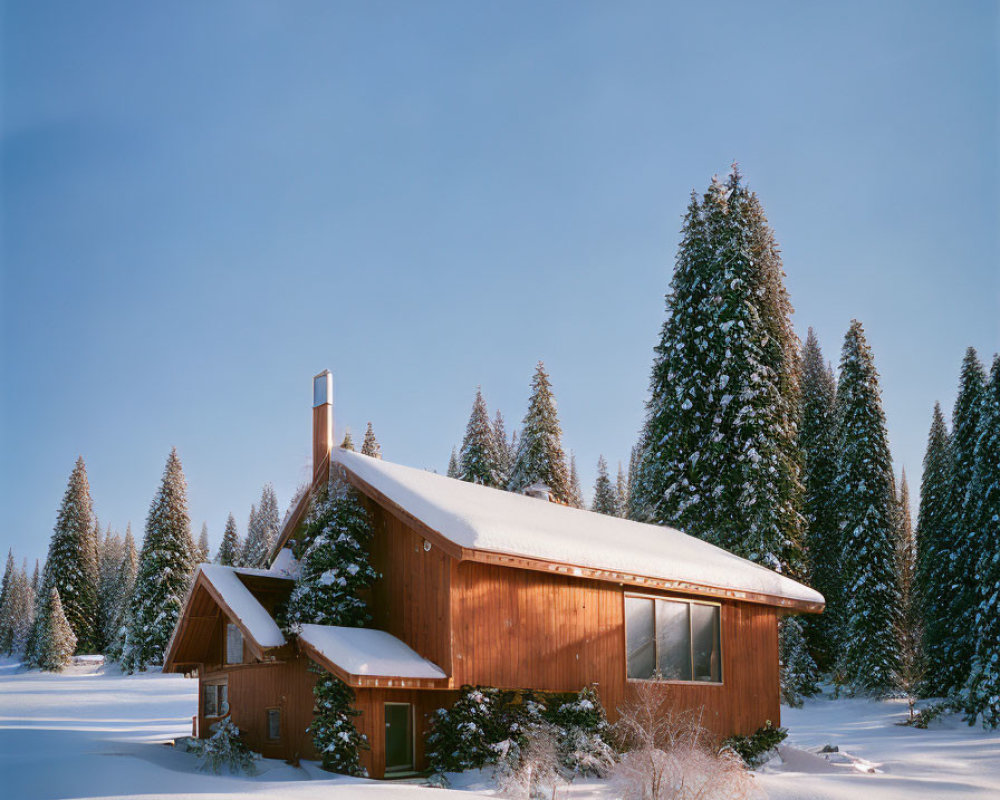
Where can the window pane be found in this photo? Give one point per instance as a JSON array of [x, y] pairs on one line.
[[223, 699], [705, 636], [673, 640], [234, 645], [211, 700], [273, 723], [639, 637]]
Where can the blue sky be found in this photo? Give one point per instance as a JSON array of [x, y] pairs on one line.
[[204, 204]]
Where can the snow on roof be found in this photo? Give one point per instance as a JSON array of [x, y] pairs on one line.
[[245, 607], [481, 518], [365, 651]]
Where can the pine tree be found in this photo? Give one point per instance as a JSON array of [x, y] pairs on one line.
[[575, 491], [262, 530], [934, 550], [869, 657], [108, 600], [453, 471], [621, 492], [166, 564], [370, 446], [128, 567], [720, 457], [909, 627], [981, 695], [798, 669], [605, 501], [71, 566], [634, 508], [8, 575], [505, 456], [204, 549], [252, 549], [963, 596], [817, 439], [35, 578], [335, 571], [479, 460], [56, 641], [540, 456], [348, 443], [334, 559], [230, 547], [17, 613]]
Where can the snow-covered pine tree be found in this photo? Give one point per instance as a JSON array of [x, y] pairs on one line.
[[348, 443], [934, 550], [6, 619], [230, 547], [963, 597], [621, 492], [36, 577], [604, 501], [869, 656], [17, 613], [909, 627], [204, 549], [480, 461], [128, 567], [453, 471], [370, 445], [8, 575], [720, 457], [633, 506], [505, 456], [108, 600], [165, 569], [981, 696], [575, 490], [540, 455], [70, 566], [252, 550], [798, 669], [269, 519], [335, 570], [817, 439], [56, 642]]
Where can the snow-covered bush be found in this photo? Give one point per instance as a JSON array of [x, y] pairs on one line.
[[463, 737], [335, 736], [530, 765], [583, 733], [225, 748], [754, 747]]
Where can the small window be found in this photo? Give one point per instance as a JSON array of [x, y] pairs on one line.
[[234, 644], [672, 640], [274, 724], [215, 699]]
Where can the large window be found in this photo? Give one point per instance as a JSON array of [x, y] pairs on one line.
[[672, 640], [234, 644], [216, 699]]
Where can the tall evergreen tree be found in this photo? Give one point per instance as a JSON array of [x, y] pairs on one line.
[[540, 455], [505, 455], [108, 599], [621, 492], [909, 629], [262, 530], [453, 470], [70, 567], [252, 548], [204, 549], [981, 695], [370, 445], [604, 501], [128, 568], [36, 578], [817, 439], [348, 443], [480, 460], [721, 459], [869, 657], [230, 548], [56, 642], [934, 550], [165, 567], [8, 575], [17, 613], [575, 491], [963, 597], [634, 508]]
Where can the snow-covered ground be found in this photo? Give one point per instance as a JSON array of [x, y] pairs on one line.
[[91, 733]]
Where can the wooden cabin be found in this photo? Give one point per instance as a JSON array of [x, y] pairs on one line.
[[482, 586]]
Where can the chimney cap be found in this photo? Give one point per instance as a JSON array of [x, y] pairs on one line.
[[323, 389]]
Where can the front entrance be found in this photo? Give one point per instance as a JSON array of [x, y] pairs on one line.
[[398, 738]]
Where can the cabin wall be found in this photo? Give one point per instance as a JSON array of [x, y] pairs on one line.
[[411, 599], [519, 628]]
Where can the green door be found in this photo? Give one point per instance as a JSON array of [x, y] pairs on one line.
[[398, 737]]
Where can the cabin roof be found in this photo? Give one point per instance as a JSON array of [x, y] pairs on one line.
[[245, 609], [355, 654], [478, 519]]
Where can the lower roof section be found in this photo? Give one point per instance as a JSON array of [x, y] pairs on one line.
[[364, 657]]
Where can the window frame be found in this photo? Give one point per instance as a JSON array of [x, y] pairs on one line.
[[225, 645], [221, 707], [656, 656], [267, 724]]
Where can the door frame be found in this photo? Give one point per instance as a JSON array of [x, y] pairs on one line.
[[412, 766]]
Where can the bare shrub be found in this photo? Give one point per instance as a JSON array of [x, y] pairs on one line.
[[669, 755], [531, 765]]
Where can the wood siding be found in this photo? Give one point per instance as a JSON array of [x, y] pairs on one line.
[[517, 628]]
